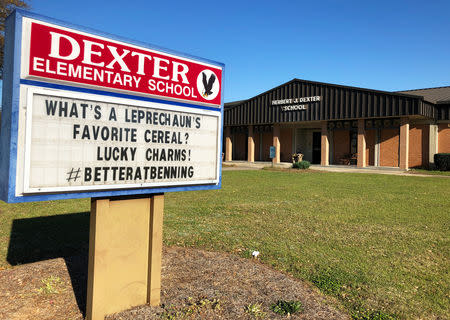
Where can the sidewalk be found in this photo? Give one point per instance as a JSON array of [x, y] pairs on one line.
[[244, 165]]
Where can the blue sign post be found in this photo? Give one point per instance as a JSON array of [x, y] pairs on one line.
[[272, 153]]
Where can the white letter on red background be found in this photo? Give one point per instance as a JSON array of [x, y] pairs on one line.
[[56, 41], [118, 58], [141, 60], [182, 73], [157, 67], [88, 53]]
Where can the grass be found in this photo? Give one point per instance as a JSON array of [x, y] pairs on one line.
[[380, 244], [384, 238], [49, 285]]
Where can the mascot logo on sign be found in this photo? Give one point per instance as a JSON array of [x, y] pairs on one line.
[[207, 84]]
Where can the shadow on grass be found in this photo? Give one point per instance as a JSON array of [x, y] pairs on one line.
[[60, 236]]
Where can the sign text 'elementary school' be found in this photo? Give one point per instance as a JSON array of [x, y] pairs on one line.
[[57, 53]]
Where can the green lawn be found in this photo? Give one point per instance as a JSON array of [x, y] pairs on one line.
[[376, 242]]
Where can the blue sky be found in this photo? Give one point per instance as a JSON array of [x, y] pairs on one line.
[[385, 45]]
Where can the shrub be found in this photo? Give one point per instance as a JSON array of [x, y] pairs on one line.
[[255, 310], [301, 164], [442, 161], [287, 307]]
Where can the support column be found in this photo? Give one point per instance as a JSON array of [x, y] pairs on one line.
[[404, 143], [377, 148], [361, 161], [325, 145], [433, 143], [125, 249], [228, 145], [276, 143], [250, 145]]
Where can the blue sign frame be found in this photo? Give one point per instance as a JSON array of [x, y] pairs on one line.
[[10, 112]]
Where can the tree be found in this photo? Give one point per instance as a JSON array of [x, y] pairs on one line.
[[6, 7]]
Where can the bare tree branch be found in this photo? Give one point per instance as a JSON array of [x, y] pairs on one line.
[[6, 7]]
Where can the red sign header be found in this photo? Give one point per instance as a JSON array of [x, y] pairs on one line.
[[90, 60]]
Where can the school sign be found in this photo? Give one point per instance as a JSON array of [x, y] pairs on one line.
[[87, 114]]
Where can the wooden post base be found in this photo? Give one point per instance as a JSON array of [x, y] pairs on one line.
[[125, 250]]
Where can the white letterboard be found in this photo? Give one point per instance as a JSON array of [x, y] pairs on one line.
[[77, 141]]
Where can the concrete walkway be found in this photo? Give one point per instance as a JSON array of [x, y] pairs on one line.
[[244, 165]]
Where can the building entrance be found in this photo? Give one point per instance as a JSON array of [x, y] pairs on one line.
[[316, 154]]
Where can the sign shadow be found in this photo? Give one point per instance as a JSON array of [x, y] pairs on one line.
[[61, 236]]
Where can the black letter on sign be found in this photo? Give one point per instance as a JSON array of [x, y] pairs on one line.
[[98, 114], [51, 107], [87, 174], [112, 114]]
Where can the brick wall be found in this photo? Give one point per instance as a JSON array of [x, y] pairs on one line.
[[418, 145], [370, 147], [267, 140], [444, 138], [286, 144], [389, 143], [257, 140], [341, 145]]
